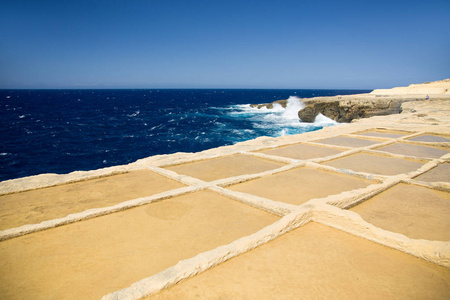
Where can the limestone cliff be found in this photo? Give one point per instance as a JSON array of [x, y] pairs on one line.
[[377, 103], [345, 110]]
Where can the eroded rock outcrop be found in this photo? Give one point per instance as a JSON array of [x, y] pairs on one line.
[[348, 109], [377, 103]]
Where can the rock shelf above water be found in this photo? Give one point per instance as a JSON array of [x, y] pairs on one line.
[[379, 102], [308, 216]]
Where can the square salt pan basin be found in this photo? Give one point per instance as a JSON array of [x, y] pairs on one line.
[[430, 138], [347, 142], [417, 212], [375, 164], [441, 173], [384, 134], [302, 151], [39, 205], [414, 150], [317, 262], [225, 166], [89, 259], [300, 185]]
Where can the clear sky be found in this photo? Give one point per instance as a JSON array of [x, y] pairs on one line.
[[336, 44]]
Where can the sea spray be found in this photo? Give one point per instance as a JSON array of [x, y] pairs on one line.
[[60, 131], [293, 105]]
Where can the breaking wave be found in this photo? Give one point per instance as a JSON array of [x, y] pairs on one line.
[[278, 120], [60, 131]]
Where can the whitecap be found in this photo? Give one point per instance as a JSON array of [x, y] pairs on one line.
[[135, 113]]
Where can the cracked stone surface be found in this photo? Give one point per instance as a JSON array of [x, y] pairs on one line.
[[355, 211]]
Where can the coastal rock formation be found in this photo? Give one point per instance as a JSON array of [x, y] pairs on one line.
[[379, 102], [385, 213], [349, 109]]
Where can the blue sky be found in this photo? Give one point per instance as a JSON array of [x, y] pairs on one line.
[[223, 44]]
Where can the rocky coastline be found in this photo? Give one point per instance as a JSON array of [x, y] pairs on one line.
[[380, 102]]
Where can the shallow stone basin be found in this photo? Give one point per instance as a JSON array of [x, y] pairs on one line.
[[38, 205], [430, 138], [414, 150], [377, 164], [384, 134], [417, 212], [302, 151], [89, 259], [300, 185], [347, 141], [317, 262], [225, 166], [441, 173]]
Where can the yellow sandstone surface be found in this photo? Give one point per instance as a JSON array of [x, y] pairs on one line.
[[352, 211]]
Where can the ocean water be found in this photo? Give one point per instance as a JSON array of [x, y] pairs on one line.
[[60, 131]]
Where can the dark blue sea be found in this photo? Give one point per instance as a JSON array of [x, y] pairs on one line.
[[60, 131]]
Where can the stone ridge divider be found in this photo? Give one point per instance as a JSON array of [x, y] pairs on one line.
[[317, 210], [206, 260], [347, 221], [258, 144], [95, 212], [328, 210], [194, 184], [437, 252]]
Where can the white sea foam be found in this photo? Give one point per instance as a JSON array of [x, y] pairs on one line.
[[278, 120], [292, 107], [323, 120], [135, 113]]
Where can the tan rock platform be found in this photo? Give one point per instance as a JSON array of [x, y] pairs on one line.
[[354, 211], [430, 138], [38, 205], [318, 262], [302, 151], [346, 141], [417, 212], [384, 134], [377, 164], [439, 174], [415, 150], [223, 167], [88, 259], [300, 185]]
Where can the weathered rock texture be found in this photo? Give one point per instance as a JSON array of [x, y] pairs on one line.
[[377, 103], [348, 109], [235, 220]]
